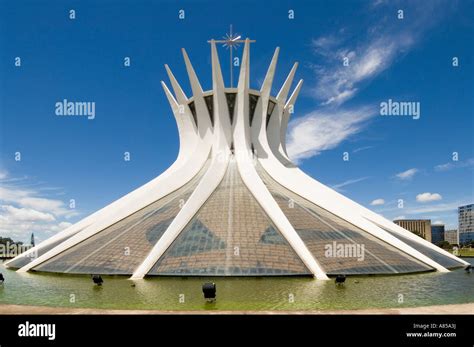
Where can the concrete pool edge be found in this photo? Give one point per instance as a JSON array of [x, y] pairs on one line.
[[7, 309]]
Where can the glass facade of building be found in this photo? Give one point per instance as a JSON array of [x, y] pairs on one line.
[[122, 247], [338, 246], [466, 224], [437, 234], [441, 259], [230, 236], [466, 238], [22, 261]]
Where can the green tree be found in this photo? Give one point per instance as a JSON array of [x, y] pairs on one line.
[[444, 244]]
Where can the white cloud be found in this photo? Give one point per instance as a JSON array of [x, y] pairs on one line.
[[28, 198], [371, 61], [428, 197], [371, 51], [339, 98], [378, 2], [348, 182], [444, 167], [3, 174], [377, 202], [439, 207], [438, 222], [445, 211], [339, 83], [25, 210], [360, 149], [25, 214], [454, 165], [406, 175], [323, 130], [324, 44]]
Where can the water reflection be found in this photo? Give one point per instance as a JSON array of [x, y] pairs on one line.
[[288, 293]]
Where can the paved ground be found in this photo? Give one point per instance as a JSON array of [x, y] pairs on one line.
[[441, 309]]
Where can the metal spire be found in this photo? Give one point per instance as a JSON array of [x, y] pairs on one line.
[[231, 41]]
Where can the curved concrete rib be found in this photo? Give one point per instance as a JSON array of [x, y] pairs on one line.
[[328, 193], [270, 75], [380, 220], [183, 112], [251, 178], [203, 191], [305, 187], [188, 143], [204, 121], [211, 179], [193, 79], [262, 103], [222, 126], [141, 199], [287, 111], [369, 215], [281, 149], [285, 89], [191, 159], [275, 124], [62, 235], [200, 140], [187, 132]]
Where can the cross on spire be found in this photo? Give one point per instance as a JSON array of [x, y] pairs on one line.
[[231, 41]]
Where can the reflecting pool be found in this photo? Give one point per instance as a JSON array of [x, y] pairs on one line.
[[274, 293]]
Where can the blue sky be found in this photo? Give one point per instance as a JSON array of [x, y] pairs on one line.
[[338, 110]]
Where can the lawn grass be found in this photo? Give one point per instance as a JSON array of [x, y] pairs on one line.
[[466, 252]]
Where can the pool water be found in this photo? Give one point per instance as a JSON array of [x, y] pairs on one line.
[[276, 293]]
